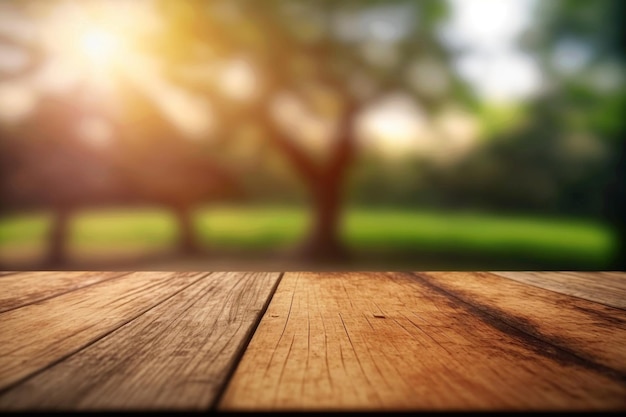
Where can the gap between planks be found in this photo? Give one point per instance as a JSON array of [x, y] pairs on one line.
[[39, 335], [429, 341], [176, 355], [21, 289], [605, 287]]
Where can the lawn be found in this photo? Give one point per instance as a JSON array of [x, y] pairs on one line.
[[586, 244]]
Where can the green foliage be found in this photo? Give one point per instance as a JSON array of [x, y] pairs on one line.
[[499, 120], [594, 23]]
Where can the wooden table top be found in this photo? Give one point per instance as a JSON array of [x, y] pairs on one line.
[[322, 341]]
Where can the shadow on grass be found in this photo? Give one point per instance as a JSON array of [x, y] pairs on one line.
[[284, 260]]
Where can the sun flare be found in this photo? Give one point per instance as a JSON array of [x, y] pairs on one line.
[[100, 46]]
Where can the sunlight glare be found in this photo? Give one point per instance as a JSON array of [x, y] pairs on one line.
[[397, 127], [488, 31], [100, 46]]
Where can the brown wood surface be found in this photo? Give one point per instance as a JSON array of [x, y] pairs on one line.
[[38, 335], [328, 341], [429, 341], [175, 356], [606, 287], [19, 289], [593, 333]]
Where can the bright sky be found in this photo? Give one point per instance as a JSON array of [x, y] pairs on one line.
[[487, 31]]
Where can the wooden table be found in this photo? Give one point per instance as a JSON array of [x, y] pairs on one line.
[[312, 341]]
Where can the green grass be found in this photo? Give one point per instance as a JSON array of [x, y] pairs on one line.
[[150, 228], [252, 227], [479, 233], [22, 229], [386, 230]]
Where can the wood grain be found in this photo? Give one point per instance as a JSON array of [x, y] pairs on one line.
[[38, 335], [23, 288], [363, 341], [606, 287], [175, 356], [590, 331]]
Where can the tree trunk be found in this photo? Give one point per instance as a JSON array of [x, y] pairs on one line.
[[187, 243], [327, 192], [58, 238], [325, 184], [324, 240]]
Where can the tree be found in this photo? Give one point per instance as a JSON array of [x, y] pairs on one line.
[[579, 45], [329, 59], [47, 162], [153, 157]]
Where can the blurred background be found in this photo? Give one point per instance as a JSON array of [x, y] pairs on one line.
[[234, 134]]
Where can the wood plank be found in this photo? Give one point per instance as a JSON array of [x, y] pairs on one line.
[[394, 341], [20, 289], [591, 331], [38, 335], [174, 357], [606, 287]]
